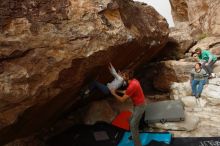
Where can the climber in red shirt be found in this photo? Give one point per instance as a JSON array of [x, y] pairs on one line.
[[135, 92]]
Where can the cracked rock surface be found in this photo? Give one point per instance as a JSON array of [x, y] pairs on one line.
[[49, 49]]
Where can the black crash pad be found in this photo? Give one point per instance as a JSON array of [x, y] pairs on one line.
[[164, 111]]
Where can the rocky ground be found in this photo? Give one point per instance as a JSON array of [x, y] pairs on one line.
[[202, 117]]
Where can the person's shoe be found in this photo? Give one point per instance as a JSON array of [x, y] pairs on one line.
[[213, 75], [198, 96]]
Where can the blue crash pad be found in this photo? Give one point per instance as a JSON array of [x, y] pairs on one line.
[[146, 138]]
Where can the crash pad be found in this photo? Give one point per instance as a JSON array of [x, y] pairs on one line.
[[164, 111], [190, 141], [146, 138], [122, 120]]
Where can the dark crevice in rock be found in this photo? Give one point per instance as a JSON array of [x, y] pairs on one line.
[[168, 52], [146, 75], [52, 78], [193, 44], [215, 44], [104, 19], [15, 55], [78, 38]]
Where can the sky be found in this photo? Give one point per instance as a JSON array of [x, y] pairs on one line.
[[163, 7]]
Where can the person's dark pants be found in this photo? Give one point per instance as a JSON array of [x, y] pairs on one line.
[[208, 68], [99, 86], [197, 87]]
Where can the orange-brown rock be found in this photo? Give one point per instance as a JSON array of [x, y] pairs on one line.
[[202, 16], [178, 44], [49, 48]]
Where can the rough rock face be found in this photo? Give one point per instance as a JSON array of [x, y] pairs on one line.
[[200, 19], [202, 117], [178, 44], [202, 16], [209, 43], [168, 72], [184, 41], [27, 141], [211, 90], [99, 111], [206, 109], [157, 77], [171, 71], [50, 48]]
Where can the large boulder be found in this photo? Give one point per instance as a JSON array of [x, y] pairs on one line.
[[206, 109], [211, 90], [50, 48], [99, 111], [171, 71], [192, 102], [180, 90], [178, 44], [217, 68], [202, 16], [189, 101], [207, 125], [209, 43]]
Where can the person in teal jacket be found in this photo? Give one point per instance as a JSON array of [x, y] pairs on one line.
[[207, 59]]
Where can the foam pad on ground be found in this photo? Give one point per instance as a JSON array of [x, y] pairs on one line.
[[122, 120], [146, 138]]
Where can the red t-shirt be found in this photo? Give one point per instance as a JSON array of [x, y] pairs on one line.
[[135, 91]]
